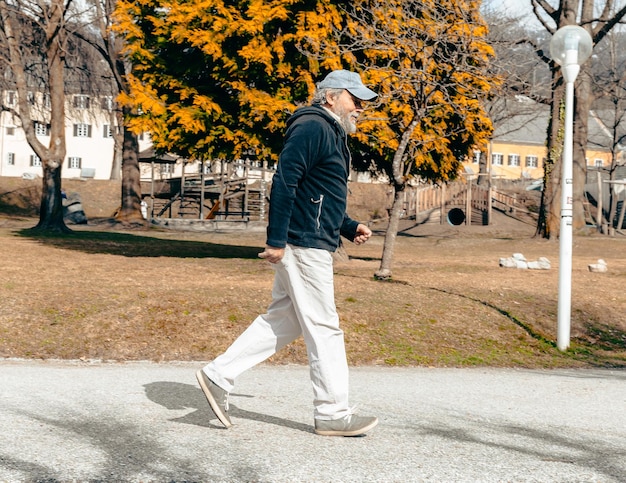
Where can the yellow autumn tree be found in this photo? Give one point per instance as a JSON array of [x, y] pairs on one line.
[[428, 61], [213, 79]]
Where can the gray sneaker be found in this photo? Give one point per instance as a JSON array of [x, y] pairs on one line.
[[350, 425], [217, 397]]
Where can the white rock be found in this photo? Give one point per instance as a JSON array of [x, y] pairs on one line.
[[519, 261], [541, 264], [599, 267]]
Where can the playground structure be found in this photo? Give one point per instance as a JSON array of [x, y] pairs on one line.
[[459, 203], [238, 192], [234, 192], [599, 190]]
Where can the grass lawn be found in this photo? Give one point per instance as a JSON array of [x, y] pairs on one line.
[[160, 295]]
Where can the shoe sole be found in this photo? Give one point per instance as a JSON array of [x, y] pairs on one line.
[[211, 400], [356, 432]]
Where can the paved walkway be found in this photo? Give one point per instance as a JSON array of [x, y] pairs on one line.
[[63, 421]]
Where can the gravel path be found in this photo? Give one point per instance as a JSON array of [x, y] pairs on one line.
[[144, 422]]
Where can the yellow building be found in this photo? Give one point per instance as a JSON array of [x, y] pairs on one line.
[[518, 148]]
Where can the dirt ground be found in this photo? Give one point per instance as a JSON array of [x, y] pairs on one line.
[[155, 294]]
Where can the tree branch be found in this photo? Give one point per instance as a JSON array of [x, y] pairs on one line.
[[549, 10]]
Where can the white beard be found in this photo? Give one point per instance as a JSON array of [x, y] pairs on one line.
[[348, 124]]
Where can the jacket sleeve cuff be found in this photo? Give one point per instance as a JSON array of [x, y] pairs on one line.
[[348, 228], [275, 243]]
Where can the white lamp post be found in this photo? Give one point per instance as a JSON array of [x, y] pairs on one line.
[[570, 47]]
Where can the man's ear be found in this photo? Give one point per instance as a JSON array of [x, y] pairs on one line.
[[331, 99]]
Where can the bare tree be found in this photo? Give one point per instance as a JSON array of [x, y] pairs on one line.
[[598, 18], [525, 78], [34, 42], [610, 111], [109, 46]]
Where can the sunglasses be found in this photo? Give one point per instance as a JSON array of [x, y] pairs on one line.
[[358, 103]]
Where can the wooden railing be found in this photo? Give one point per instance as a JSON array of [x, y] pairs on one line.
[[422, 202], [504, 202]]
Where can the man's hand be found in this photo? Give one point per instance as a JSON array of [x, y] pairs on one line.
[[272, 254], [363, 233]]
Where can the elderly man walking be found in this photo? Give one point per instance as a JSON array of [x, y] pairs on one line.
[[307, 216]]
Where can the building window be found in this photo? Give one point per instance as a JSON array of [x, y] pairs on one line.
[[11, 159], [476, 158], [532, 161], [206, 166], [74, 162], [513, 160], [35, 161], [167, 168], [30, 96], [81, 102], [11, 97], [598, 163], [46, 99], [42, 129], [107, 103], [496, 159], [82, 130], [10, 131], [107, 131]]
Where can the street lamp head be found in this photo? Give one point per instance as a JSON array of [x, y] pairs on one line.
[[571, 46]]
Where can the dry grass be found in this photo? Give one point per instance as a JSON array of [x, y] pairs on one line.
[[161, 295]]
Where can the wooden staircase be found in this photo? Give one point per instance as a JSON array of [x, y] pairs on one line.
[[212, 198]]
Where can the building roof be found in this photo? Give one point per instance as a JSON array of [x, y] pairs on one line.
[[526, 122], [148, 155]]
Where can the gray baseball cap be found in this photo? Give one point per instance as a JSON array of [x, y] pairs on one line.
[[351, 81]]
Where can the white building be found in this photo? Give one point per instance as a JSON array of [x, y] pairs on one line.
[[89, 142]]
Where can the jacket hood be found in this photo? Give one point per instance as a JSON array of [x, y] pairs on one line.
[[315, 111]]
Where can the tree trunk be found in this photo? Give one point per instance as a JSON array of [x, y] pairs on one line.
[[613, 198], [483, 178], [549, 221], [399, 183], [130, 209], [620, 220], [582, 101], [384, 271], [549, 217], [118, 144], [51, 207]]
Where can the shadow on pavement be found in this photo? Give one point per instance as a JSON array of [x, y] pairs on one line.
[[177, 396]]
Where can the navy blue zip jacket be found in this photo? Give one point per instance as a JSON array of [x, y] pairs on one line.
[[310, 187]]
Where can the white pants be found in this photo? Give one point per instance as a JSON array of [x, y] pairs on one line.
[[303, 303]]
